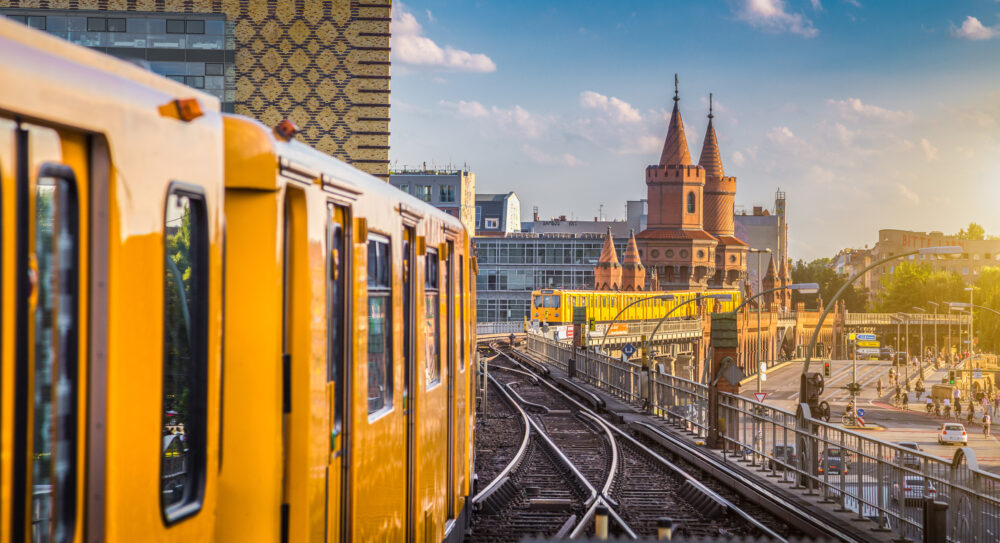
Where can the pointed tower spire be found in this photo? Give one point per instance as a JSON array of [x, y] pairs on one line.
[[633, 272], [769, 282], [710, 159], [675, 148], [608, 272]]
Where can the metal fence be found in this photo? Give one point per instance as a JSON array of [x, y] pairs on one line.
[[497, 328], [620, 378], [927, 319], [872, 479]]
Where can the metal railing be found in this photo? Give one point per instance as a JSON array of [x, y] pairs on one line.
[[915, 319], [620, 378], [874, 480], [497, 328]]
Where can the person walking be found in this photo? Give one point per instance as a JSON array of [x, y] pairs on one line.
[[996, 404], [986, 425]]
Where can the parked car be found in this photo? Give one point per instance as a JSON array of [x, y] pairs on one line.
[[952, 433], [782, 455], [909, 460], [885, 353], [832, 460], [915, 488]]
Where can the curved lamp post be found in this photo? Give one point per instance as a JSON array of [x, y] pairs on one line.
[[953, 250], [922, 352], [726, 297], [665, 297]]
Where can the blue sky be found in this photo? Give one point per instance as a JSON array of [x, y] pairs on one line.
[[867, 114]]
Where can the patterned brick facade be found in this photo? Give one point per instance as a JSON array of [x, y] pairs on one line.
[[322, 64]]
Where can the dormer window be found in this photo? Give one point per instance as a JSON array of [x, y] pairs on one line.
[[691, 207]]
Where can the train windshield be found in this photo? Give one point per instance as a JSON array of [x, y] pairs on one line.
[[548, 301]]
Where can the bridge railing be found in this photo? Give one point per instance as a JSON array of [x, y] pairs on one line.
[[867, 476], [682, 402], [620, 378], [915, 319], [498, 328]]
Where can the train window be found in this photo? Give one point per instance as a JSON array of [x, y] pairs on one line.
[[432, 340], [185, 353], [379, 324], [408, 275], [337, 309], [54, 444]]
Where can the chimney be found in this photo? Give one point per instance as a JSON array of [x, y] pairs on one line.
[[758, 211]]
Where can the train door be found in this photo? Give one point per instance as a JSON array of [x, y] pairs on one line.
[[409, 371], [50, 174], [338, 370], [295, 519], [447, 276]]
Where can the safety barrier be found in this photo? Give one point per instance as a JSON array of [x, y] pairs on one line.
[[874, 480], [915, 319], [620, 378], [498, 328]]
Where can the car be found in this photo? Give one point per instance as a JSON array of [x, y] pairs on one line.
[[909, 460], [832, 460], [782, 455], [899, 358], [915, 488], [952, 433], [885, 353]]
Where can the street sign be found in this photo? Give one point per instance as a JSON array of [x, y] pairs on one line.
[[760, 396], [868, 343], [861, 421], [763, 377], [763, 367], [866, 337], [852, 336], [628, 349], [861, 412], [868, 350]]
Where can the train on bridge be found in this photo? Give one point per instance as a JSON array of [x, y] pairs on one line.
[[210, 331]]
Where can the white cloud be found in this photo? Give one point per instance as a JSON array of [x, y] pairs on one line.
[[929, 150], [619, 110], [411, 47], [541, 157], [770, 16], [972, 29], [430, 16], [738, 158], [817, 5], [516, 120], [906, 193], [853, 109], [854, 3], [843, 134], [782, 135]]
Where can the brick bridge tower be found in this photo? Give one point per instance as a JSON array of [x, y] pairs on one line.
[[608, 272], [633, 272], [720, 199], [674, 242], [772, 299]]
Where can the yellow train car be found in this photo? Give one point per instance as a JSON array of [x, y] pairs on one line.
[[555, 307], [209, 331]]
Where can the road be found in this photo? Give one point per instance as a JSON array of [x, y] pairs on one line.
[[782, 388]]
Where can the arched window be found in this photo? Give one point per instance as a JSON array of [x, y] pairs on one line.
[[691, 202]]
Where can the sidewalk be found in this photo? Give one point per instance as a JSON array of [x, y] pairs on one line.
[[917, 402]]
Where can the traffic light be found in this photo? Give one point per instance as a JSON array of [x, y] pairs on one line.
[[951, 377], [826, 369], [812, 387]]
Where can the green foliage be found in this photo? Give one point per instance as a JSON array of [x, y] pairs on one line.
[[914, 285], [975, 232], [987, 323], [817, 271]]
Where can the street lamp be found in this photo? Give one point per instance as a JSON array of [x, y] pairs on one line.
[[805, 288], [920, 360], [906, 350], [952, 250], [759, 286], [971, 329], [664, 297], [724, 297], [937, 353]]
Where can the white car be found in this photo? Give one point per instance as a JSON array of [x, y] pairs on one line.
[[952, 433], [914, 488]]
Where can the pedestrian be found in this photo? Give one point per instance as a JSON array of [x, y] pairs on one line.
[[996, 404], [986, 425]]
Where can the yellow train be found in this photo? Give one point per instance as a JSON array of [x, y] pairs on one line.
[[209, 331], [555, 307]]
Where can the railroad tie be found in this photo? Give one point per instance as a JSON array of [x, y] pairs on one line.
[[699, 500]]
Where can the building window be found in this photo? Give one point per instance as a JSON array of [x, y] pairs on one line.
[[37, 22], [691, 202], [432, 339], [424, 192], [447, 193], [175, 26], [195, 81], [185, 354], [492, 224], [965, 270], [479, 216], [96, 24], [975, 256], [379, 325], [214, 68], [194, 27], [116, 24], [405, 188]]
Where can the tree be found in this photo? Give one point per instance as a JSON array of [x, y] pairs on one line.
[[818, 271], [975, 232], [914, 284], [987, 323]]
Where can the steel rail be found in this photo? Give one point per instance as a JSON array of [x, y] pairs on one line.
[[498, 480]]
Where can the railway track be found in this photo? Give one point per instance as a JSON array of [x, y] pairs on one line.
[[638, 486]]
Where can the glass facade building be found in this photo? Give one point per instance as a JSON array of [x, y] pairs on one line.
[[196, 50], [510, 268]]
